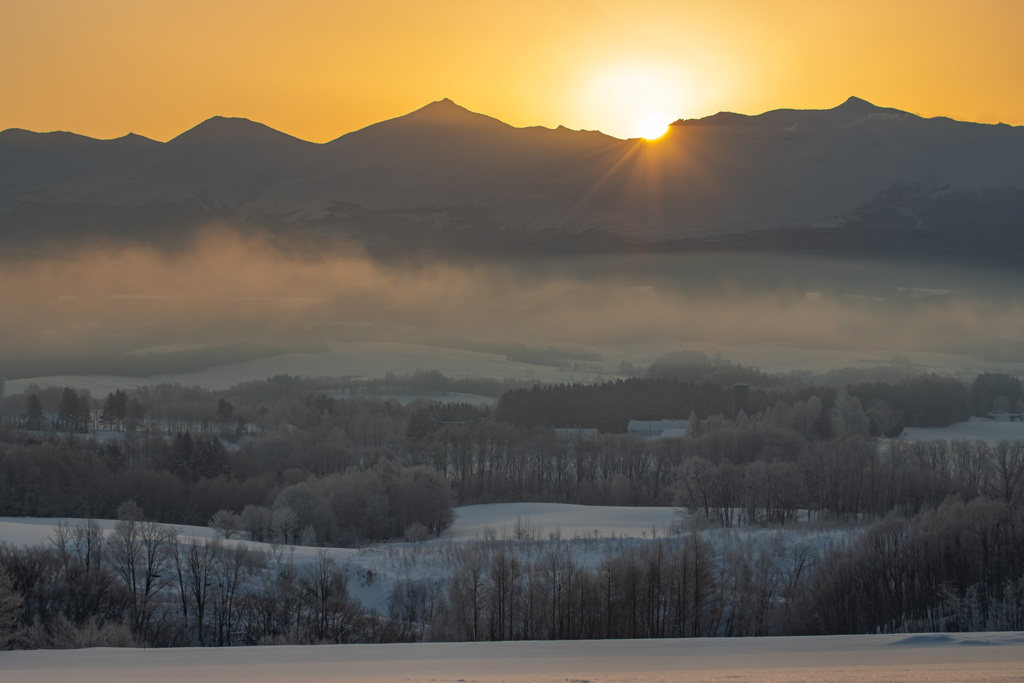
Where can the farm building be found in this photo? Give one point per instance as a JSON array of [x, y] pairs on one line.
[[664, 429]]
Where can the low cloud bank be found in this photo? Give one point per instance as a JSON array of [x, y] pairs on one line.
[[227, 286]]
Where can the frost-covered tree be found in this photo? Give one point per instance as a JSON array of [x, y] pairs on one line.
[[226, 523]]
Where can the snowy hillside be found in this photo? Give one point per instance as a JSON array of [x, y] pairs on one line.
[[989, 432], [587, 533], [982, 658]]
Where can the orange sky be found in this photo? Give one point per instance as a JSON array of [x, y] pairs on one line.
[[319, 68]]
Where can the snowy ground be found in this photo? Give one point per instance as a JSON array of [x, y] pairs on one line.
[[375, 359], [374, 569], [989, 432], [588, 533], [565, 521], [404, 398], [354, 359], [989, 657], [472, 522]]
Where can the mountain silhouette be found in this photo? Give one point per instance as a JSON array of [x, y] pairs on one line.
[[876, 180]]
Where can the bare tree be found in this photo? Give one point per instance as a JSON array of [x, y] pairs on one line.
[[235, 565], [10, 609], [1009, 465], [330, 615], [140, 555], [194, 564]]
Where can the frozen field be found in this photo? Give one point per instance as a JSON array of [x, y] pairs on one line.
[[989, 432], [392, 562], [566, 521], [472, 522], [356, 359], [989, 657], [588, 532], [375, 359]]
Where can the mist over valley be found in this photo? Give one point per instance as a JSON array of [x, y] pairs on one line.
[[854, 228]]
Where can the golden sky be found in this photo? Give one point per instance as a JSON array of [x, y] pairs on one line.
[[319, 68]]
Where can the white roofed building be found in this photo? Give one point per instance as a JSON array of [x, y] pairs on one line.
[[658, 428]]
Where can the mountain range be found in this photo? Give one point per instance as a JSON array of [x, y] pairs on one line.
[[857, 179]]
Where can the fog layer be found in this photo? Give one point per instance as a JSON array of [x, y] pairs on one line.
[[228, 287]]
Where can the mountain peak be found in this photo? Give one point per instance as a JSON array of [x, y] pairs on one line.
[[231, 130], [442, 114], [856, 104], [444, 108]]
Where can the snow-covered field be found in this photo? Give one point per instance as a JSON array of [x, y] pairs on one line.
[[354, 359], [589, 533], [375, 359], [989, 657], [937, 657], [440, 397], [472, 522], [565, 521], [585, 526], [989, 432]]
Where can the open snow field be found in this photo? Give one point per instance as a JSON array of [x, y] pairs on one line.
[[350, 359], [989, 432], [987, 657], [375, 359], [472, 522], [585, 527], [565, 521], [588, 532]]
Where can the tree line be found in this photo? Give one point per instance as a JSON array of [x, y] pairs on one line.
[[804, 455], [143, 584], [954, 567], [916, 401]]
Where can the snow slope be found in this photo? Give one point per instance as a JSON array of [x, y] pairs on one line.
[[976, 657], [589, 533], [355, 359], [989, 432], [471, 522], [565, 521], [375, 359]]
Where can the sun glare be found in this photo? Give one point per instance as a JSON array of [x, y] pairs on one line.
[[634, 99], [652, 126]]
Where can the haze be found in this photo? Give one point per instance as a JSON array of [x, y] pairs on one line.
[[229, 288]]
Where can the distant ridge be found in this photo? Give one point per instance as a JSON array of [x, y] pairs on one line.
[[856, 178], [850, 111], [445, 110]]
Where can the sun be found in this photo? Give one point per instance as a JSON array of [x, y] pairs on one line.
[[652, 126], [634, 98]]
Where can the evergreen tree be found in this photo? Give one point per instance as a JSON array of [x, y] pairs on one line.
[[34, 411], [69, 409]]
